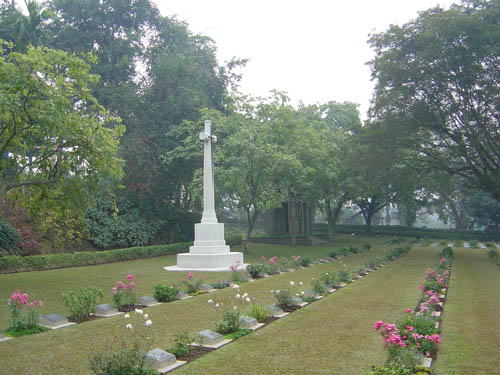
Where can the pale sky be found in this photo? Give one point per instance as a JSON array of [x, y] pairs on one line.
[[314, 50]]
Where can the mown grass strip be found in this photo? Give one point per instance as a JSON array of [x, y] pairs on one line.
[[331, 336], [470, 325], [67, 350]]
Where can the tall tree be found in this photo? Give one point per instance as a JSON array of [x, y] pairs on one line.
[[437, 86], [51, 128]]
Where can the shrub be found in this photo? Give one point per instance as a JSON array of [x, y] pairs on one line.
[[255, 269], [305, 261], [124, 296], [82, 303], [113, 227], [165, 293], [493, 254], [331, 254], [233, 239], [181, 347], [343, 277], [24, 315], [371, 263], [228, 323], [328, 279], [283, 297], [192, 285], [9, 240], [13, 263], [258, 312], [447, 252], [367, 246], [318, 286]]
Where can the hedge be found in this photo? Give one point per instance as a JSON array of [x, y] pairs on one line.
[[14, 263], [321, 229]]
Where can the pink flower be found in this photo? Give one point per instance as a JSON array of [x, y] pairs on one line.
[[114, 290], [131, 285], [408, 310], [262, 258], [130, 277], [190, 275], [378, 324], [443, 260], [410, 328], [434, 338], [421, 288]]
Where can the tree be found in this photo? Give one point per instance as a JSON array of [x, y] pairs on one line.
[[51, 128], [246, 162], [342, 123], [437, 89], [484, 210]]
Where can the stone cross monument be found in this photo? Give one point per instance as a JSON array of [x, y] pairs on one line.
[[209, 251]]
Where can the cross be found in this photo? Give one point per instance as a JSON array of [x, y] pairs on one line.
[[208, 176], [207, 134]]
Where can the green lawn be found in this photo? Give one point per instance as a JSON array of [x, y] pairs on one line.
[[332, 336], [67, 350], [471, 323]]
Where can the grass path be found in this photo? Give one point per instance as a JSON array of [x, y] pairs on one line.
[[471, 323], [332, 336], [66, 351]]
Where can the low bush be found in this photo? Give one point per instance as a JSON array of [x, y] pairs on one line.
[[182, 347], [165, 293], [82, 302], [14, 263], [258, 312], [233, 239], [9, 240]]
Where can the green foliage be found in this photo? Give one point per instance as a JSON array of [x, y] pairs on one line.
[[42, 262], [305, 261], [328, 279], [11, 332], [343, 277], [255, 269], [124, 362], [192, 285], [233, 239], [221, 284], [82, 303], [239, 333], [447, 252], [73, 143], [331, 254], [181, 347], [493, 254], [229, 322], [165, 293], [318, 286], [367, 246], [111, 227], [258, 312], [9, 239], [283, 298]]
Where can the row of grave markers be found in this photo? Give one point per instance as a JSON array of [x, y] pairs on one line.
[[164, 361], [466, 245]]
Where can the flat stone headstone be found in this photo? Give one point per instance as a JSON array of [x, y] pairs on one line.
[[208, 337], [158, 358], [434, 244], [182, 295], [53, 320], [450, 244], [427, 362], [3, 338], [105, 309], [247, 321], [206, 287], [466, 245], [296, 301], [275, 310], [497, 245], [310, 293], [147, 301], [482, 245]]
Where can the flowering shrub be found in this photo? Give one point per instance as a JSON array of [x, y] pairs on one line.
[[124, 296], [283, 297], [318, 286], [238, 275], [192, 285], [24, 315], [328, 279], [135, 341], [271, 267], [228, 315], [255, 269], [284, 264]]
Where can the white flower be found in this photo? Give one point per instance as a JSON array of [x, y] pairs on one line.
[[345, 265], [292, 283], [210, 301], [244, 295], [148, 323], [278, 291], [247, 299], [238, 296], [272, 291], [216, 305], [236, 286], [297, 294], [126, 316], [137, 311], [146, 316], [234, 307], [129, 326], [301, 283], [302, 292], [326, 273]]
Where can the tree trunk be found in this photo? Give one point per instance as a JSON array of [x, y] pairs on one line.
[[252, 219], [368, 221], [333, 218], [292, 219]]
